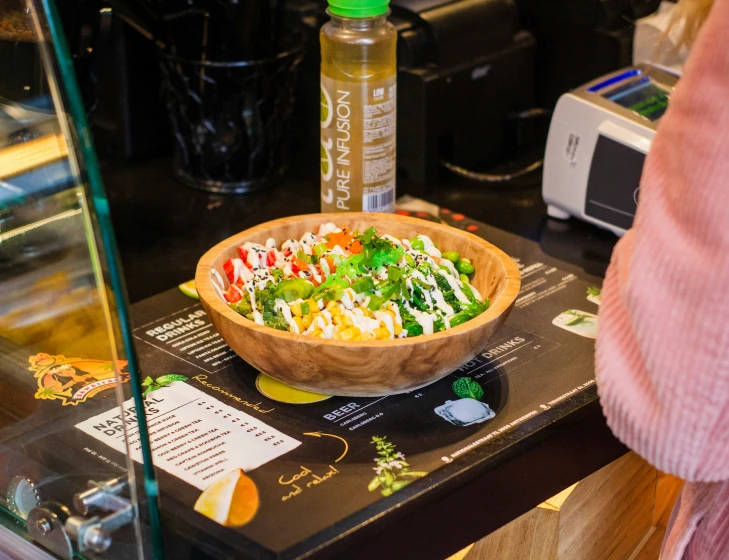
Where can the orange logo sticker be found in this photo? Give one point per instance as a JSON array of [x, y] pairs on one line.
[[73, 380]]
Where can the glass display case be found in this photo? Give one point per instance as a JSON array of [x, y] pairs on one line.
[[65, 338], [244, 466]]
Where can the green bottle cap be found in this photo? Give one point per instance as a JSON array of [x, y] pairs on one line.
[[358, 8]]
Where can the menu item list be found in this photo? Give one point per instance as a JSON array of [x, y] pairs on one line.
[[193, 436]]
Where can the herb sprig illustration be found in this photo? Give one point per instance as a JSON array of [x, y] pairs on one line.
[[578, 317], [390, 467], [594, 291], [467, 388], [162, 381]]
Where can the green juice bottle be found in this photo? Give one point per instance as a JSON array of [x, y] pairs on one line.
[[358, 107]]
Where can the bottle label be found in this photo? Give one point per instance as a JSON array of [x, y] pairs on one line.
[[358, 145]]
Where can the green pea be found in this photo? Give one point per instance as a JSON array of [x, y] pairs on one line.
[[464, 279], [465, 267], [452, 256], [417, 243]]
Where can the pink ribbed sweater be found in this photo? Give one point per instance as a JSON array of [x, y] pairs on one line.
[[662, 355]]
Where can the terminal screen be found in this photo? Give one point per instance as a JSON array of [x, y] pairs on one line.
[[642, 97]]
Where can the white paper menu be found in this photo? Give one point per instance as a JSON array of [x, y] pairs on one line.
[[194, 436]]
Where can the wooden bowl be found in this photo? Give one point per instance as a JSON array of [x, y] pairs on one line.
[[372, 368]]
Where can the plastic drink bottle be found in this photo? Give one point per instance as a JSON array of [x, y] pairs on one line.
[[358, 107]]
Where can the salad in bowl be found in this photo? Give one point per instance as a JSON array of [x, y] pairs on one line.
[[340, 284], [356, 304]]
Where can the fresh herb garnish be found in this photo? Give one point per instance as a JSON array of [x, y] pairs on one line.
[[363, 285], [408, 321], [473, 310], [394, 273]]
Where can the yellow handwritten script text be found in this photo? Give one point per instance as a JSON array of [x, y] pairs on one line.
[[202, 379], [313, 480]]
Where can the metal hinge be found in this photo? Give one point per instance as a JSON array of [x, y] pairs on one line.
[[52, 526]]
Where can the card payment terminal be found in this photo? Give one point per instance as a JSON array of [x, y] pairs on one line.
[[598, 139]]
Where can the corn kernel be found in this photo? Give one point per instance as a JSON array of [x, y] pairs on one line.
[[398, 329], [331, 305], [335, 310], [307, 320], [300, 324], [346, 334], [316, 333], [381, 333], [337, 320], [390, 312], [339, 328], [296, 309], [367, 336], [347, 320]]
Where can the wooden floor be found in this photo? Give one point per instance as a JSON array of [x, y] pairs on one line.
[[617, 513]]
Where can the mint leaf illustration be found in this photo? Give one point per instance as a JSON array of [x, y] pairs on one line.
[[149, 389], [465, 388], [169, 378]]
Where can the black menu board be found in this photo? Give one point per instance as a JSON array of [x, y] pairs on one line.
[[278, 479]]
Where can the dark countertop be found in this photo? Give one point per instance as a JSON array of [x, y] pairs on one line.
[[163, 227]]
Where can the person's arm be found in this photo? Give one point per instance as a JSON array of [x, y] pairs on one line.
[[662, 353]]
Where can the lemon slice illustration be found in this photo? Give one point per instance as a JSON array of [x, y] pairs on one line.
[[188, 288], [327, 169], [326, 108], [277, 391], [232, 501]]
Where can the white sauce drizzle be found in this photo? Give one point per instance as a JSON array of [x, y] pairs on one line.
[[218, 278], [315, 274], [391, 239], [365, 323], [454, 284], [324, 264], [285, 310], [440, 302], [425, 320], [428, 246], [450, 266], [326, 229], [387, 322], [476, 293], [347, 298], [250, 288]]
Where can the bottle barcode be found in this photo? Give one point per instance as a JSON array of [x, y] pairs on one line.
[[378, 201]]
